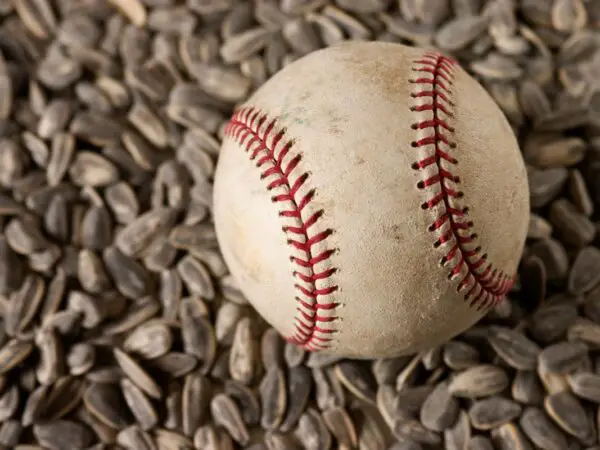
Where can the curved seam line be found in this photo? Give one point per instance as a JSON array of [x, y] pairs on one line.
[[253, 130], [482, 286]]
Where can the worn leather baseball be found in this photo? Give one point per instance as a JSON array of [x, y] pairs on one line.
[[371, 200]]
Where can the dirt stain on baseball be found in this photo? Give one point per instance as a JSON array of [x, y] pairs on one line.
[[336, 122], [395, 232], [386, 74]]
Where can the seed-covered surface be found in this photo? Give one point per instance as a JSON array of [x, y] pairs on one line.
[[122, 328]]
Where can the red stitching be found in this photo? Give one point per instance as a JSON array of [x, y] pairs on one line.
[[483, 285], [261, 148]]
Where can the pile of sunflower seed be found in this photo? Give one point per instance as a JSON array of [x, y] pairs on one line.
[[121, 328]]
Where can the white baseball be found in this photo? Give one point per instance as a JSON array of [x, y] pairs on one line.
[[371, 200]]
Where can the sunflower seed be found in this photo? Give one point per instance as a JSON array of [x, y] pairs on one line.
[[197, 335], [226, 321], [533, 99], [242, 358], [222, 83], [134, 10], [107, 404], [568, 413], [509, 436], [514, 347], [271, 348], [32, 406], [554, 257], [299, 387], [134, 438], [413, 398], [52, 123], [57, 71], [341, 426], [353, 27], [11, 270], [549, 152], [10, 433], [480, 442], [458, 435], [210, 438], [25, 237], [91, 169], [175, 364], [220, 369], [414, 431], [492, 412], [301, 35], [56, 219], [273, 397], [582, 277], [152, 78], [96, 228], [160, 258], [540, 430], [122, 202], [459, 355], [90, 308], [80, 358], [568, 15], [390, 406], [58, 402], [573, 227], [545, 184], [194, 402], [37, 148], [97, 129], [440, 409], [312, 431], [585, 331], [188, 106], [196, 277], [479, 381], [225, 413], [9, 402], [149, 340], [24, 304], [591, 305], [91, 272], [579, 193], [51, 364], [585, 385], [329, 391], [61, 434], [244, 44], [553, 383], [140, 406], [551, 322], [357, 380], [137, 374], [13, 353], [563, 357], [456, 34], [526, 388], [130, 277], [246, 399]]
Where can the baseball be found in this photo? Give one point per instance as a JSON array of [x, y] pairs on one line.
[[371, 200]]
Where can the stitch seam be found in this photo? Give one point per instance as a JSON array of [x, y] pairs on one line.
[[482, 285], [273, 154]]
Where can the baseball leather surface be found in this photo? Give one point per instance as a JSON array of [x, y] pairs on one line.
[[371, 200]]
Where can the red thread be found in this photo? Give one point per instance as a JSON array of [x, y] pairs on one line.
[[482, 284], [281, 171]]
